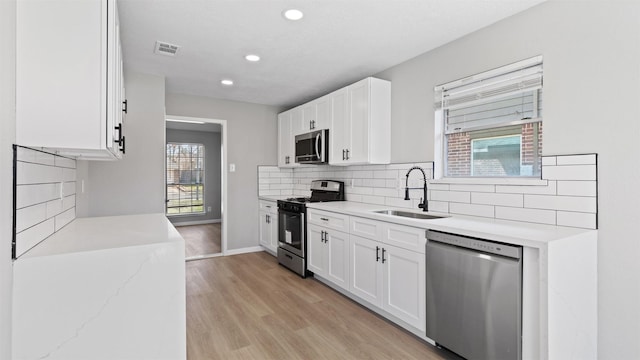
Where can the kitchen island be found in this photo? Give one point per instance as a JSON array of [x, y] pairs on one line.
[[102, 288]]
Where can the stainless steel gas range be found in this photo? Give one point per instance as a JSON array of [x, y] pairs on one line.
[[292, 223]]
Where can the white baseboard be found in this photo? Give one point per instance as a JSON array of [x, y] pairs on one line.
[[197, 222], [244, 250]]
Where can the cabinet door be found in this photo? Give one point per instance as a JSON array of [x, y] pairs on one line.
[[358, 148], [285, 140], [265, 229], [323, 113], [273, 224], [404, 285], [298, 125], [337, 260], [340, 132], [366, 272], [316, 250], [309, 118]]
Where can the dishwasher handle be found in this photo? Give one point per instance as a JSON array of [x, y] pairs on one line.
[[487, 246]]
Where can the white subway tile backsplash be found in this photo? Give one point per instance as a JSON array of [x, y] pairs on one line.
[[526, 215], [514, 200], [30, 216], [472, 187], [566, 203], [569, 172], [68, 188], [27, 195], [471, 209], [65, 162], [577, 188], [377, 200], [45, 196], [548, 160], [549, 189], [36, 157], [589, 159], [443, 187], [451, 196], [387, 192], [566, 196], [28, 238], [54, 207], [439, 206], [64, 218], [576, 219], [28, 173]]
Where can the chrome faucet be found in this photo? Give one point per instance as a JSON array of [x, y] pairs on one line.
[[423, 202]]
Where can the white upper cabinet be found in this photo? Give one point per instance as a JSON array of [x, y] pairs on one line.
[[361, 124], [358, 118], [286, 155], [69, 88]]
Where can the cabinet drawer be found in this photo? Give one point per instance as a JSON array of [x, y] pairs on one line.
[[329, 220], [269, 206], [406, 237], [366, 228]]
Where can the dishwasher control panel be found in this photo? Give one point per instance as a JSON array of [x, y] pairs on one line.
[[488, 246]]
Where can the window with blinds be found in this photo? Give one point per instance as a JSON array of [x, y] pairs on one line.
[[492, 122], [185, 179]]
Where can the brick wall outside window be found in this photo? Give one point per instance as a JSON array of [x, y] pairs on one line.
[[459, 154]]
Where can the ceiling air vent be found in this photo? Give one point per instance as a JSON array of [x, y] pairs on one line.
[[164, 48]]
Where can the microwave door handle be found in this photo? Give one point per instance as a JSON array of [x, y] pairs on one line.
[[318, 146]]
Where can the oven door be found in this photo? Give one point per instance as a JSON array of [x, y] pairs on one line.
[[291, 231]]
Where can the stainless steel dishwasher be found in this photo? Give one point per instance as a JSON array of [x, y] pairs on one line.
[[474, 296]]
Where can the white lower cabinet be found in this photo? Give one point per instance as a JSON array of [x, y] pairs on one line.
[[328, 254], [390, 278], [404, 285], [366, 274], [268, 224]]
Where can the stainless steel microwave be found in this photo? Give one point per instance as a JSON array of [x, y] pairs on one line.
[[313, 147]]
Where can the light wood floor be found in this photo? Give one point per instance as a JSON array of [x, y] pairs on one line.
[[248, 307], [201, 239]]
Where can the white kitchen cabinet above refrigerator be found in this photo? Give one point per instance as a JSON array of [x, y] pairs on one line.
[[69, 84]]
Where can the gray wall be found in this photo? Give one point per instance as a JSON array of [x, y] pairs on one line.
[[251, 141], [591, 97], [7, 138], [212, 176], [135, 184]]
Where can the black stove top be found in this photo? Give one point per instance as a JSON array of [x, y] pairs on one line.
[[321, 190]]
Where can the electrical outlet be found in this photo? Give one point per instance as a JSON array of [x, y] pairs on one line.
[[208, 208]]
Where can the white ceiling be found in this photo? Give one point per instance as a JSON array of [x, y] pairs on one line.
[[336, 43]]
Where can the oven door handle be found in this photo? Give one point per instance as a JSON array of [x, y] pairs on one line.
[[303, 233]]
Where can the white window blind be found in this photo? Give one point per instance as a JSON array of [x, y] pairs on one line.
[[509, 95]]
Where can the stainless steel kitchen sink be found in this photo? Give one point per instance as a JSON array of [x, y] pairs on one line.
[[408, 214]]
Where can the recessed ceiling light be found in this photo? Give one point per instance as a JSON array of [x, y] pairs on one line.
[[252, 57], [293, 14], [227, 82]]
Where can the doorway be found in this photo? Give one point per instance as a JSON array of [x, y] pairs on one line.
[[196, 183]]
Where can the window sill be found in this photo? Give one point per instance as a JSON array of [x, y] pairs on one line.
[[190, 214], [491, 181]]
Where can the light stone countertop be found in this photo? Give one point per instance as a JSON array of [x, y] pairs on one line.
[[511, 232], [274, 197], [109, 232]]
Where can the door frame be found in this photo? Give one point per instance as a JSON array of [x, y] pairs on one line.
[[223, 172]]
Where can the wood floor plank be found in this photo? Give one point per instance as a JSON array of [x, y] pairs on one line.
[[248, 307], [201, 239]]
